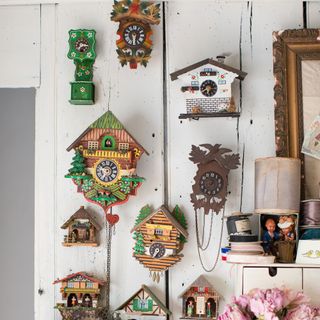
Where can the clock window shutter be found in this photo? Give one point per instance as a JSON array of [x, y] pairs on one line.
[[150, 305], [135, 305]]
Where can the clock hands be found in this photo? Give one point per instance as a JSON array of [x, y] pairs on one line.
[[156, 251]]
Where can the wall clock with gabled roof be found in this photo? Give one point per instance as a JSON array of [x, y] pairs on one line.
[[104, 164]]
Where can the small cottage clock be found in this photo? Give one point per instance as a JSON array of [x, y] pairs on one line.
[[82, 52], [207, 88], [135, 17], [159, 237], [104, 165]]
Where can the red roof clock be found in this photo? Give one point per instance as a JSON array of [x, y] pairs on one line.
[[80, 293], [207, 88], [159, 238], [135, 17], [104, 165]]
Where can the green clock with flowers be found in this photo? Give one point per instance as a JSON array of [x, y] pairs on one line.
[[82, 52]]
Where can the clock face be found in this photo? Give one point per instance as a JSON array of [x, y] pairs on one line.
[[211, 183], [134, 35], [157, 250], [208, 88], [82, 45], [106, 171]]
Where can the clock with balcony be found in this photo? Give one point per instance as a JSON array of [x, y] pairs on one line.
[[105, 161]]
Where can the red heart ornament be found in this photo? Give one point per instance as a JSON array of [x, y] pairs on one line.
[[112, 218]]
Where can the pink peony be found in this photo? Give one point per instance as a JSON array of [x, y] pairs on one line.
[[233, 313], [303, 312]]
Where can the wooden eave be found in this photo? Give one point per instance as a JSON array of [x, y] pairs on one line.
[[77, 141], [200, 282], [151, 294], [81, 214], [170, 217], [83, 274], [176, 74]]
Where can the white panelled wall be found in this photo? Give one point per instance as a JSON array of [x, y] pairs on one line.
[[195, 30]]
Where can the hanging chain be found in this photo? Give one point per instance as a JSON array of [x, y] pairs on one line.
[[106, 314], [199, 247]]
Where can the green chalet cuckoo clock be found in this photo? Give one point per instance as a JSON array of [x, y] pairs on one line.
[[104, 164], [134, 42], [82, 51]]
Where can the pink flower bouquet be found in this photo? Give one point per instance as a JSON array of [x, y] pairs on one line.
[[271, 304]]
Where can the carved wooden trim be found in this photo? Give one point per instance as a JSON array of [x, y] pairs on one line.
[[290, 47]]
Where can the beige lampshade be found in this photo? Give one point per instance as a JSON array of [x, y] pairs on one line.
[[277, 185]]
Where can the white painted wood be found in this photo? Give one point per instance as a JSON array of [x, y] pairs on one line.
[[223, 28], [20, 46], [311, 278], [313, 14], [254, 277], [135, 97], [46, 171]]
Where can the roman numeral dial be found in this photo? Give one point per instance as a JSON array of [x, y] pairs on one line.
[[134, 35]]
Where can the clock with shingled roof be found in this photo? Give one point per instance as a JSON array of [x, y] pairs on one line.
[[104, 164], [207, 88], [134, 42]]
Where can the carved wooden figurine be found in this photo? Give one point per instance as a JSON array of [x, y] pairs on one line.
[[104, 165], [207, 88], [82, 229], [159, 237], [200, 300], [82, 51], [135, 17], [143, 304], [80, 294]]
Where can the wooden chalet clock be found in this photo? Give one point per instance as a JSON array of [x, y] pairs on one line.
[[206, 86], [143, 304], [82, 51], [80, 296], [135, 17], [104, 164], [159, 237]]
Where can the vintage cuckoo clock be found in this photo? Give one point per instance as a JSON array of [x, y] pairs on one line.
[[80, 294], [104, 164], [134, 42], [207, 87], [159, 238], [82, 230], [200, 300], [82, 51], [210, 187], [143, 304]]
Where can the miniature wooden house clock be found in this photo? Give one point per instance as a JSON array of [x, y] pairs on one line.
[[200, 300], [80, 294], [142, 305], [82, 229], [82, 52], [104, 165], [159, 237], [135, 17], [207, 88]]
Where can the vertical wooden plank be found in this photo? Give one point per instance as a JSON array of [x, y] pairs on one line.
[[135, 97], [45, 170], [257, 119], [20, 46], [313, 14], [191, 39]]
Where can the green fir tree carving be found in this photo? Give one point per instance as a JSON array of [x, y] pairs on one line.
[[144, 212], [77, 165], [180, 217], [139, 246]]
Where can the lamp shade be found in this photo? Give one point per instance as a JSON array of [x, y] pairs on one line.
[[277, 185]]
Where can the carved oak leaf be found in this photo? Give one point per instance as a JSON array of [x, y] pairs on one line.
[[196, 155], [231, 161]]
